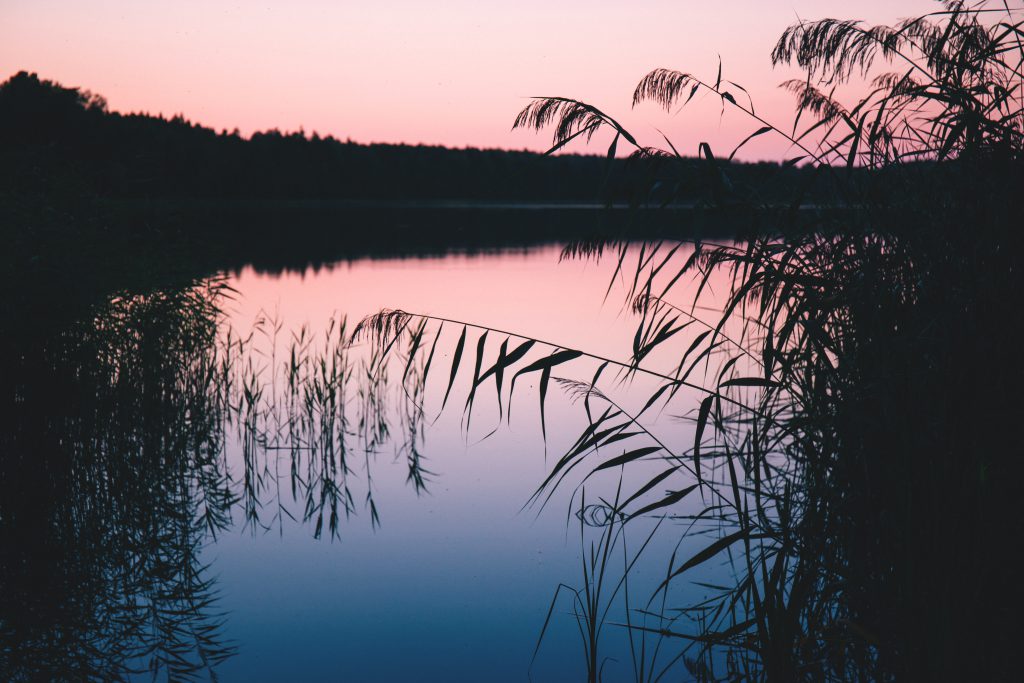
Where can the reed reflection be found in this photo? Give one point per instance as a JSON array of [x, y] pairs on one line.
[[116, 472], [112, 479]]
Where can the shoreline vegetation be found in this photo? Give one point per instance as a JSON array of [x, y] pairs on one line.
[[94, 201], [64, 140], [75, 173], [855, 449], [855, 452], [92, 196]]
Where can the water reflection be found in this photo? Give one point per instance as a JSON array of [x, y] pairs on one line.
[[112, 479], [148, 438]]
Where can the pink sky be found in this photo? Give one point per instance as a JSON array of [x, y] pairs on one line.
[[453, 73]]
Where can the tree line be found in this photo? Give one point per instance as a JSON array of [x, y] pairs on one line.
[[61, 139]]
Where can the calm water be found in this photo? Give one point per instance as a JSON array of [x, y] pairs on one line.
[[451, 581]]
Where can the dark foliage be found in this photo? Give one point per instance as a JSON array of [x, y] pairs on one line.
[[57, 139], [110, 479], [855, 449]]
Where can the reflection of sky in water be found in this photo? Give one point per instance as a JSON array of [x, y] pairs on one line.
[[456, 583]]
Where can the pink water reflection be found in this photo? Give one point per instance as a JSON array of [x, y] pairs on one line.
[[457, 579]]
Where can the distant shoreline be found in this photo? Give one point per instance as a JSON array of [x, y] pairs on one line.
[[433, 205]]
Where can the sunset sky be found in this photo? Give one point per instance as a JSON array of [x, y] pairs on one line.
[[453, 73]]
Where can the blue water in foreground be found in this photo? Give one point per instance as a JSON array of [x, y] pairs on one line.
[[456, 582]]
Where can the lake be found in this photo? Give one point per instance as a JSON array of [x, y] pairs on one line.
[[252, 491]]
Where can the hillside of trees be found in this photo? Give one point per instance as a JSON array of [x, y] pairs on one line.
[[66, 140], [99, 198]]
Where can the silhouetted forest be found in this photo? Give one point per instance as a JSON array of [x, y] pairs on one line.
[[65, 140], [101, 199]]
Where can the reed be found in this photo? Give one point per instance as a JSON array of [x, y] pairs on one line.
[[853, 445], [113, 480], [116, 475]]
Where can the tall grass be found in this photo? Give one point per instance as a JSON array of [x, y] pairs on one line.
[[853, 461], [854, 447], [118, 469]]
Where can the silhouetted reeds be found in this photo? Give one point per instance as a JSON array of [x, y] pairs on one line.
[[854, 450], [119, 443], [112, 479]]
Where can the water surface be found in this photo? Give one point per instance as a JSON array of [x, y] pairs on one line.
[[449, 578]]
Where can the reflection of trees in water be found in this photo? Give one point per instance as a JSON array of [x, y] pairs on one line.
[[114, 474]]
